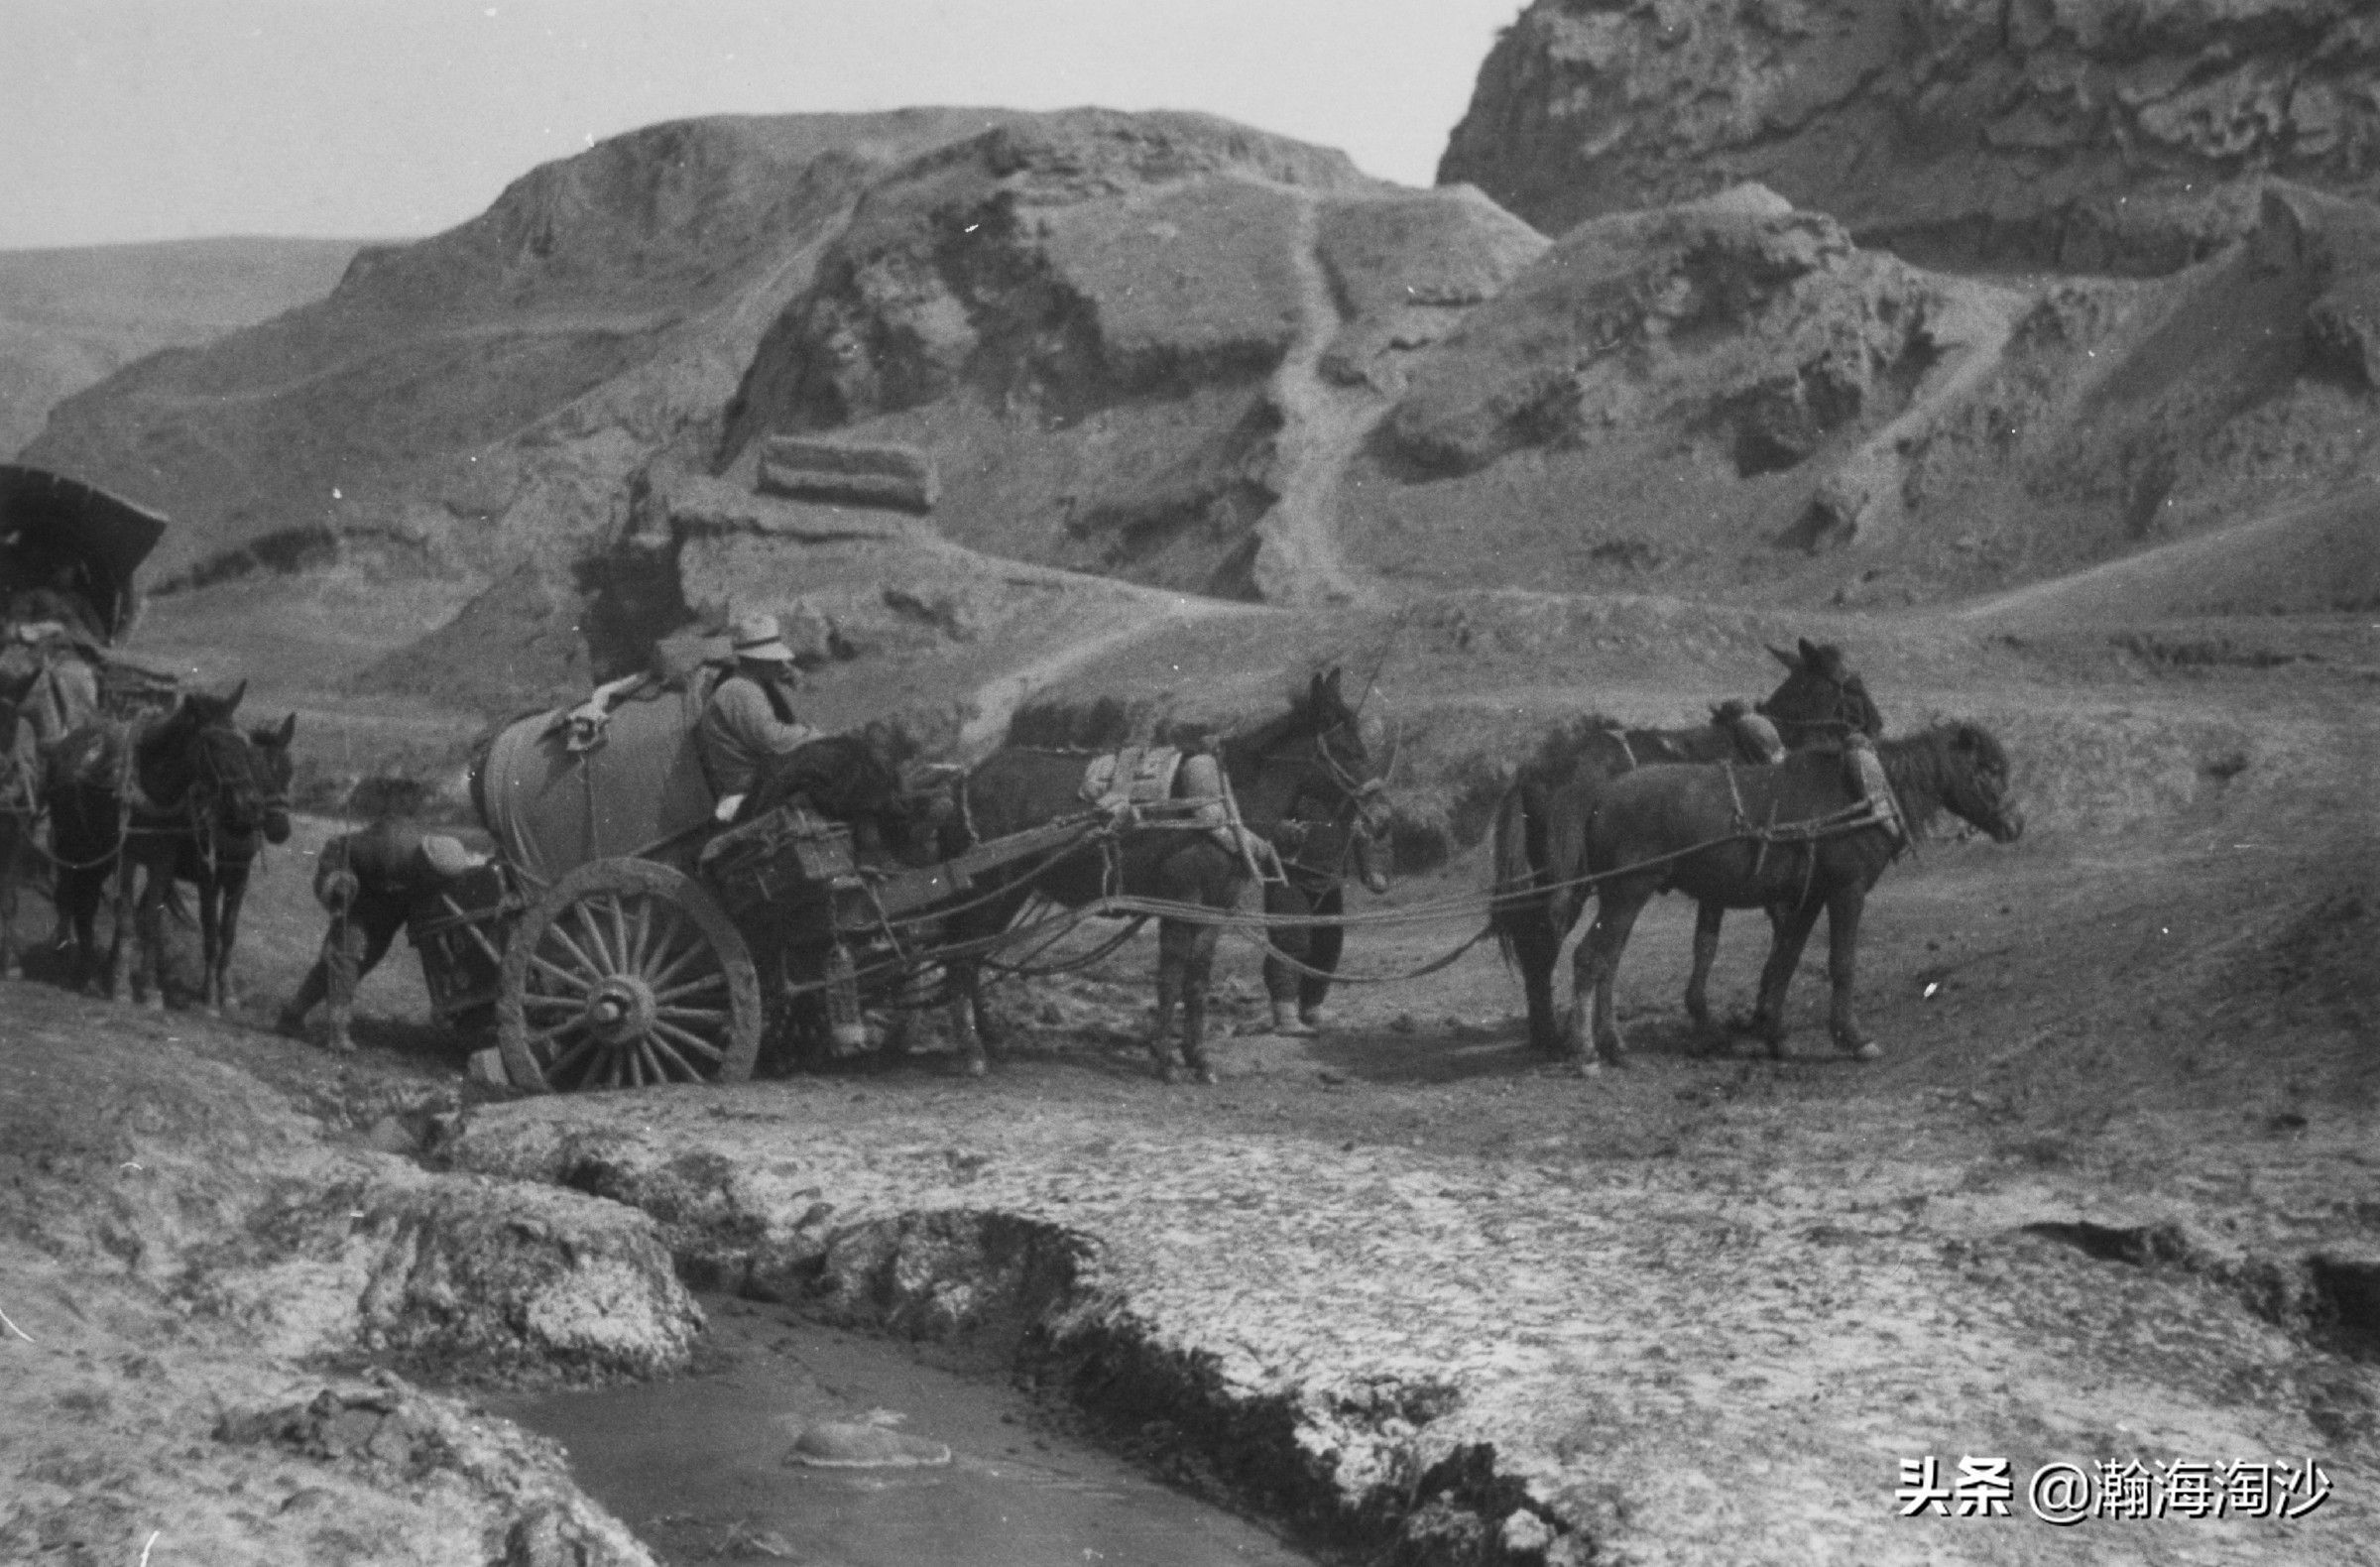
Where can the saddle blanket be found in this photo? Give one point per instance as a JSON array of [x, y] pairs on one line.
[[1134, 776], [1863, 771], [1144, 774]]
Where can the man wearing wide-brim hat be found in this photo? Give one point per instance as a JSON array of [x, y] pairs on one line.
[[749, 716]]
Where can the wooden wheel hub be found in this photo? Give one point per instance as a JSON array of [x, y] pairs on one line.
[[620, 1009]]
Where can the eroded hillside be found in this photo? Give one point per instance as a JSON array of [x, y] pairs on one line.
[[483, 394], [2080, 135]]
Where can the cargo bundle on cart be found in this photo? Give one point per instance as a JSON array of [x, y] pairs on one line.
[[69, 557]]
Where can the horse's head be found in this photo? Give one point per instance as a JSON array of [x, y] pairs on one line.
[[1822, 698], [1977, 783], [1311, 762], [205, 710], [851, 778], [240, 784]]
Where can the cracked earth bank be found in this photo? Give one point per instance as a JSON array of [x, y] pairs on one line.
[[1484, 1359]]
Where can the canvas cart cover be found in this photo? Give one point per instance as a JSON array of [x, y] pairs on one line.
[[47, 520], [639, 791]]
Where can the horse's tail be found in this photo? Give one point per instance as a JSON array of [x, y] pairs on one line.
[[1517, 834], [1564, 856]]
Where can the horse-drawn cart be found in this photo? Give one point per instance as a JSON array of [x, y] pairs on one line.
[[620, 938]]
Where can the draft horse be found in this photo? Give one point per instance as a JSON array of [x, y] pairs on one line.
[[1821, 701], [1306, 764], [1793, 839], [146, 803], [219, 855], [850, 777]]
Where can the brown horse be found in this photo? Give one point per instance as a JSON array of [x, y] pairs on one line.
[[1821, 700], [1789, 838], [1308, 762], [219, 854], [132, 801]]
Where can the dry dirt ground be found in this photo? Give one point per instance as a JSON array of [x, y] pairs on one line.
[[2111, 1196]]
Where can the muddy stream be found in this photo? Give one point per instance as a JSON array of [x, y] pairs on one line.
[[704, 1468]]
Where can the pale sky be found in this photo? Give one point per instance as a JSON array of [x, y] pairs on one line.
[[124, 120]]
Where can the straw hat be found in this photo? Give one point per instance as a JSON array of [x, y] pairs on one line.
[[757, 637]]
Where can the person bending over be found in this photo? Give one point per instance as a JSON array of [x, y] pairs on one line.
[[368, 882]]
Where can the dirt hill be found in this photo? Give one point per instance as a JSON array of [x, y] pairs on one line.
[[2081, 135], [72, 317], [484, 393]]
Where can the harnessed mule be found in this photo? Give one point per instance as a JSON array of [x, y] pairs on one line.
[[132, 801], [1311, 756], [1820, 701], [1795, 839]]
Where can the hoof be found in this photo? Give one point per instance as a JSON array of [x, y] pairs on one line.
[[289, 1027], [1166, 1072], [1294, 1029], [1588, 1066], [1865, 1050], [1316, 1019], [976, 1068], [154, 1004], [339, 1044], [1202, 1074]]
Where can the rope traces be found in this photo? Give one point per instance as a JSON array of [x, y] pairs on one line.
[[1047, 931]]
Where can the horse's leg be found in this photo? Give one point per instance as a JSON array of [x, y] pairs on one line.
[[1535, 938], [1595, 969], [1174, 961], [1324, 947], [1842, 969], [972, 1028], [1789, 933], [234, 890], [210, 944], [112, 971], [149, 925], [966, 1011], [1707, 921], [1198, 967]]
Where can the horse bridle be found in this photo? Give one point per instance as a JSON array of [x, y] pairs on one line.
[[1852, 704], [210, 786], [1352, 810]]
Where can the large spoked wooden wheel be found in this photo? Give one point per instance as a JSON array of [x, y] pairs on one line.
[[627, 974]]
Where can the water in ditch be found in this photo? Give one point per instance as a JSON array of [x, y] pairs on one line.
[[699, 1466]]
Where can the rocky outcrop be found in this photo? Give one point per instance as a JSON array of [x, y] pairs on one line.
[[2080, 134], [187, 1250], [1761, 326]]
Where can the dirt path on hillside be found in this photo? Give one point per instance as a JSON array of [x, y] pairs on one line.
[[995, 703], [1866, 485], [2322, 543], [1298, 562]]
